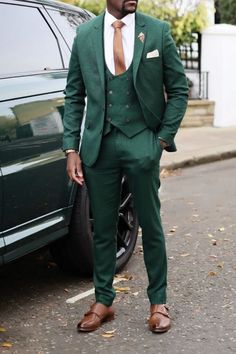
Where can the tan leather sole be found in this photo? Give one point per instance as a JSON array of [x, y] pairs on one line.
[[160, 330]]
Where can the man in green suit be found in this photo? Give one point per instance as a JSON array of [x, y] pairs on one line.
[[127, 66]]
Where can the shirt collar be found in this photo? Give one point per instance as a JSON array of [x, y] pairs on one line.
[[128, 19]]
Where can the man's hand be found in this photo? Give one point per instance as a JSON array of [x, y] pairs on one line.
[[163, 144], [74, 168]]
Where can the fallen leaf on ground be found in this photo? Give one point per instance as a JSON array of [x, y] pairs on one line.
[[185, 255], [188, 234], [221, 229], [6, 345], [210, 235], [107, 335], [213, 256], [66, 290], [220, 265], [2, 329], [124, 276], [140, 249], [174, 228], [110, 332], [227, 305], [212, 274], [136, 293], [122, 290], [226, 239], [214, 242], [195, 215], [168, 173]]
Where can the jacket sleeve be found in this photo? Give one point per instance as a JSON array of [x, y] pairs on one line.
[[74, 101], [176, 88]]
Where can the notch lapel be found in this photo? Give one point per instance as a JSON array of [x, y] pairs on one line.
[[140, 27], [99, 48]]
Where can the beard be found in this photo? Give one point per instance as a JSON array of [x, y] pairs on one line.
[[129, 7]]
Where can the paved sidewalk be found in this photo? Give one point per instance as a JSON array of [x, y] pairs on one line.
[[201, 145]]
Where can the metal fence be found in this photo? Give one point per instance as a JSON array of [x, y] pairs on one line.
[[190, 54], [198, 84], [191, 58]]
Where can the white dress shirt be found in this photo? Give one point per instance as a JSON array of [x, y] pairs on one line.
[[127, 31]]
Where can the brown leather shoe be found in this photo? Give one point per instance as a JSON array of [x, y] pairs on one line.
[[159, 321], [94, 318]]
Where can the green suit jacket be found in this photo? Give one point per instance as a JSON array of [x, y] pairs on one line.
[[153, 77]]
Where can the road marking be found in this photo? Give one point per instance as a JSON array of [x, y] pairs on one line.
[[81, 296]]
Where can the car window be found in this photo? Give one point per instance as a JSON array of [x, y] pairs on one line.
[[67, 23], [27, 44]]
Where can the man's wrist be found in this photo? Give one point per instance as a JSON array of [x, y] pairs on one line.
[[69, 151]]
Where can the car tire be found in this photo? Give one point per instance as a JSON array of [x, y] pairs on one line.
[[74, 252]]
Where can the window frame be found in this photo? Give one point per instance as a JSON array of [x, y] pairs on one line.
[[54, 32]]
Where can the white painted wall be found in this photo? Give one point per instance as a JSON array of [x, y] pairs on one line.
[[219, 58]]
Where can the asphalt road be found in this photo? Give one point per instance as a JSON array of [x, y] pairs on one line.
[[198, 207]]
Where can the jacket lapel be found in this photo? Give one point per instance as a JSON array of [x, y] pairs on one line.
[[140, 28], [97, 37]]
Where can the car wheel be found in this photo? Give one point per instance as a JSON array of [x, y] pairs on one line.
[[74, 252]]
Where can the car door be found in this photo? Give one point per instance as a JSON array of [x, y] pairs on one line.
[[35, 189], [2, 244]]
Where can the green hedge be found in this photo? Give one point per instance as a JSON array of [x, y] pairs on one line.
[[227, 9]]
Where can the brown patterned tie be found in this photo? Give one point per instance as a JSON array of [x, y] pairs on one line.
[[119, 58]]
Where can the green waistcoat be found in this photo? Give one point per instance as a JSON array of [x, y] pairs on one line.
[[122, 105]]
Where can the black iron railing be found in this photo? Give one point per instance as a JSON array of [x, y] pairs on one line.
[[190, 55], [198, 84]]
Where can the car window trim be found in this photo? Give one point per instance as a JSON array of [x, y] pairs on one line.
[[42, 12], [32, 73]]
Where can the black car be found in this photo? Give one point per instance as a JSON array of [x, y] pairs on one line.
[[38, 203]]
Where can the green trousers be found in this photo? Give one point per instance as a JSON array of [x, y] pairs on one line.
[[138, 158]]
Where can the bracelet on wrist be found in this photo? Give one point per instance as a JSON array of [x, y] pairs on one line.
[[68, 151]]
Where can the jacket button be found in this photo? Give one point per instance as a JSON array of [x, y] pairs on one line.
[[110, 92], [109, 119]]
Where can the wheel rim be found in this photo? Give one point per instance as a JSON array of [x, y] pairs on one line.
[[126, 221]]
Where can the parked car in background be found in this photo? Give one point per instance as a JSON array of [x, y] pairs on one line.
[[39, 205]]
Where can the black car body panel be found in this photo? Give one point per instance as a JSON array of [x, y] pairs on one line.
[[36, 197]]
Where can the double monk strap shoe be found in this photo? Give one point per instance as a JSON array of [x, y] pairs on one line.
[[159, 321], [94, 318]]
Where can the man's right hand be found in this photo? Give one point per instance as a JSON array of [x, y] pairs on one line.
[[74, 168]]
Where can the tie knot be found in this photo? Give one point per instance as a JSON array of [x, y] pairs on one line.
[[118, 24]]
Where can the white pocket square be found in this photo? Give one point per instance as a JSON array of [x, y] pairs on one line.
[[153, 54]]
